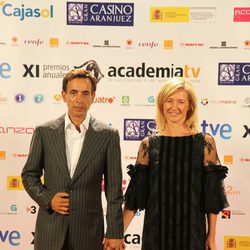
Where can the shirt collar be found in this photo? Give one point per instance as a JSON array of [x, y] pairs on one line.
[[83, 125]]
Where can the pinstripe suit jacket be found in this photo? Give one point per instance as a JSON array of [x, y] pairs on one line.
[[100, 156]]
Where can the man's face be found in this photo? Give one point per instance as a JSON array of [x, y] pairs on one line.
[[79, 97]]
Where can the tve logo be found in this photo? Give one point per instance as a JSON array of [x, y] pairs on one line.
[[5, 69], [12, 237], [224, 130]]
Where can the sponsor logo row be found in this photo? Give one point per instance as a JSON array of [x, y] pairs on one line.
[[227, 159], [167, 44], [228, 73], [117, 13], [57, 98], [15, 183], [13, 238], [126, 100], [137, 129]]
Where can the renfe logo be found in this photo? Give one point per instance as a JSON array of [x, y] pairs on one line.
[[11, 236], [224, 130]]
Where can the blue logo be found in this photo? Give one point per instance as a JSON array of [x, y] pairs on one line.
[[101, 14], [5, 69], [20, 98], [234, 74], [137, 129], [11, 236], [224, 130], [38, 98]]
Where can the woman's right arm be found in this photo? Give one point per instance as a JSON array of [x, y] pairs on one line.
[[142, 159], [128, 216]]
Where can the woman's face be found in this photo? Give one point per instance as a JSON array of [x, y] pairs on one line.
[[176, 107]]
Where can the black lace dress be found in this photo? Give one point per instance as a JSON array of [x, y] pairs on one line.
[[176, 190]]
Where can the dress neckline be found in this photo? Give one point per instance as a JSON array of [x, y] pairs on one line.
[[183, 136]]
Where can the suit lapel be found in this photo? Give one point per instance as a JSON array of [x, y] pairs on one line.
[[58, 137], [91, 145]]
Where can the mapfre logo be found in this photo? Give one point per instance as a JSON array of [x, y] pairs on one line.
[[20, 155], [245, 159]]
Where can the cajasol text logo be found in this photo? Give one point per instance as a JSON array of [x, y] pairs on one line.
[[21, 11]]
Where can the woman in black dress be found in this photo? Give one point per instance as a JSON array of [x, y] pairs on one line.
[[177, 178]]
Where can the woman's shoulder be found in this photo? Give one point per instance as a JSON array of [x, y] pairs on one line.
[[150, 138], [208, 139]]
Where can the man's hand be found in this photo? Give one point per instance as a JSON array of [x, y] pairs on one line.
[[113, 244], [60, 203]]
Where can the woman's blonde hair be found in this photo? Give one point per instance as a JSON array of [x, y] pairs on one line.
[[172, 85]]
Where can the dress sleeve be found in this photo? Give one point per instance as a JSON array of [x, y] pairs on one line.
[[213, 183], [137, 191], [214, 191]]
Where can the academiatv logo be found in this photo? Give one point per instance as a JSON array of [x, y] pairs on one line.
[[22, 11]]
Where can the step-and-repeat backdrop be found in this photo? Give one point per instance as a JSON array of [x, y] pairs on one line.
[[138, 45]]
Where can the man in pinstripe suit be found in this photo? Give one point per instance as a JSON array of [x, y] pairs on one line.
[[73, 153]]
